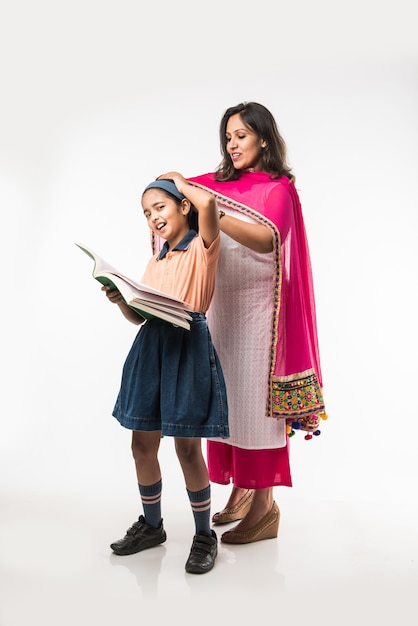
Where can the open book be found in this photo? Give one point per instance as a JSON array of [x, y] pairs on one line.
[[146, 301]]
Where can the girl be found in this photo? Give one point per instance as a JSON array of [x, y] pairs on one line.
[[172, 382]]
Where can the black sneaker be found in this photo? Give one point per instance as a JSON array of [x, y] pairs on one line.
[[139, 536], [202, 554]]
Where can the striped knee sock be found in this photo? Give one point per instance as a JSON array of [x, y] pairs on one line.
[[200, 503], [151, 503]]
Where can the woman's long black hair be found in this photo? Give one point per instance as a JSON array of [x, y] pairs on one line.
[[273, 158]]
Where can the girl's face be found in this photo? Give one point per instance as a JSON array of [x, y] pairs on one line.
[[165, 217], [242, 143]]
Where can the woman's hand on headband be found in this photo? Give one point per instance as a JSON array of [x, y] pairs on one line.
[[177, 178]]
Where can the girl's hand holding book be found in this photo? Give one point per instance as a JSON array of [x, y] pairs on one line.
[[113, 295]]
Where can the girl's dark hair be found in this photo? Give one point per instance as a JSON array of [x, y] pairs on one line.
[[192, 216], [259, 119]]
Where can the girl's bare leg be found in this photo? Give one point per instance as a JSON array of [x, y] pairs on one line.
[[192, 462], [145, 446]]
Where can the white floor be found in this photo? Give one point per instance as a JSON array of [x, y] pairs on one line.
[[335, 562]]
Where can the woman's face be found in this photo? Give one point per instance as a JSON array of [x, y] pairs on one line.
[[242, 144]]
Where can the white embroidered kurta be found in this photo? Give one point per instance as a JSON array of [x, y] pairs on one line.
[[239, 320]]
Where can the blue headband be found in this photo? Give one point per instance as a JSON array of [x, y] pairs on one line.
[[167, 185]]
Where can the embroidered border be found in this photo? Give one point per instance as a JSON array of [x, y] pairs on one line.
[[297, 398]]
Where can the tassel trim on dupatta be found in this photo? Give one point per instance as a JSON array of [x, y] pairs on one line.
[[298, 399]]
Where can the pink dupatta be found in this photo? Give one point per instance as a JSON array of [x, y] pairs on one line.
[[295, 380]]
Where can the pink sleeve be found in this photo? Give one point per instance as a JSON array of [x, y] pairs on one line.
[[279, 208]]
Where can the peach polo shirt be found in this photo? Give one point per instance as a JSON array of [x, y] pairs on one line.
[[187, 272]]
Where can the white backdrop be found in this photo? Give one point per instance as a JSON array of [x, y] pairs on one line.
[[99, 98]]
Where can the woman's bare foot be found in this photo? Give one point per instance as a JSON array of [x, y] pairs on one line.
[[236, 495], [236, 508], [262, 503]]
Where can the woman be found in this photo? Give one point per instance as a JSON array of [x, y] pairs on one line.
[[262, 320]]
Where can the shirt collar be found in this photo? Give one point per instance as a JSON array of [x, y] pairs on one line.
[[182, 245]]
